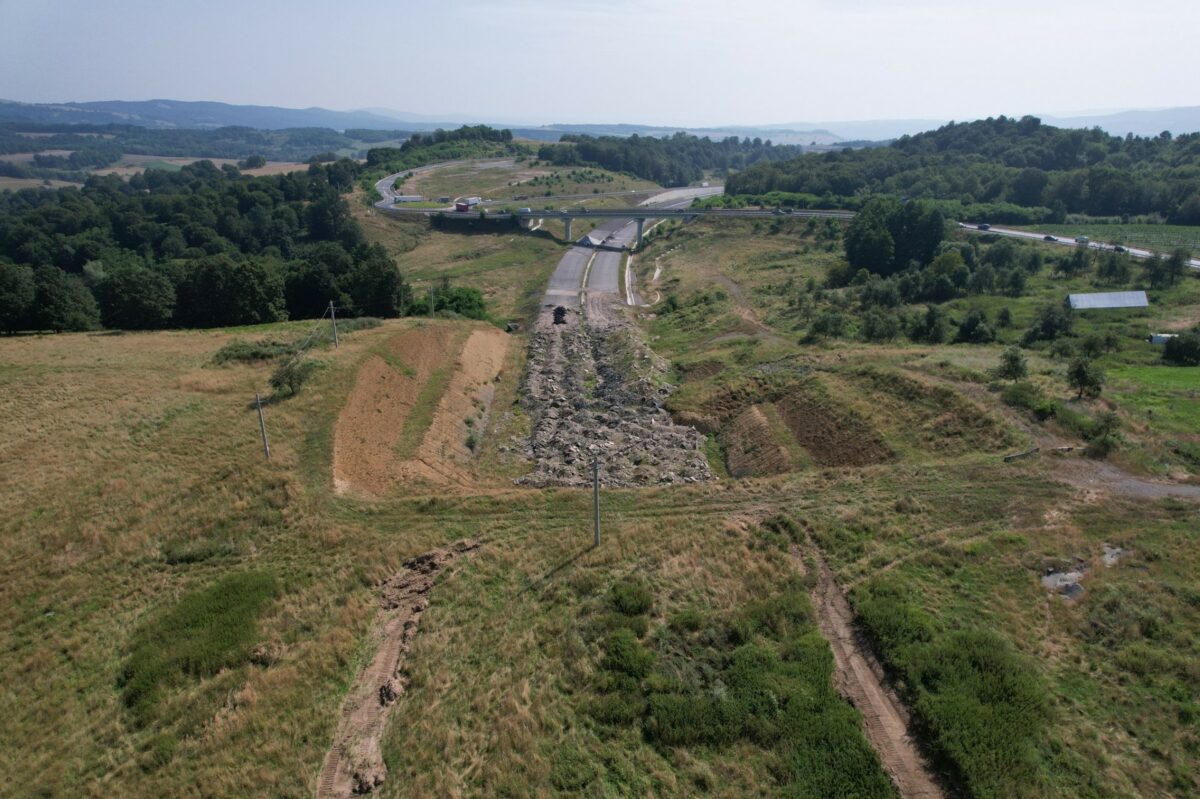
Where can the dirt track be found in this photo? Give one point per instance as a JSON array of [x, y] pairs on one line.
[[354, 764], [859, 677]]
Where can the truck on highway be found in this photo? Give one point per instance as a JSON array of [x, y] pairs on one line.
[[464, 204]]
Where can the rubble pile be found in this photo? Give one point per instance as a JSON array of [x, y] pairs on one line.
[[592, 388]]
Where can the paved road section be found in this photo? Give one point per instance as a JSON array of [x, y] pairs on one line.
[[1065, 241]]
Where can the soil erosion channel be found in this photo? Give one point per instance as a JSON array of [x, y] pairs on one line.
[[354, 764]]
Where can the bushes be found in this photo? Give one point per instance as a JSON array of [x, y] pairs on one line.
[[767, 678], [208, 630], [631, 598], [1183, 350], [980, 705], [1028, 396], [287, 379]]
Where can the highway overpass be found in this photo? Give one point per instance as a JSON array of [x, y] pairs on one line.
[[638, 214]]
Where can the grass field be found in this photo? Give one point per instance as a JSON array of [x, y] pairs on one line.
[[176, 611], [506, 179]]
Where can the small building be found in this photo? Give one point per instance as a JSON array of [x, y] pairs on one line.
[[1108, 299]]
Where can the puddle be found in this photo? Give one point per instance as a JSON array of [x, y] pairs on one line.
[[1112, 555]]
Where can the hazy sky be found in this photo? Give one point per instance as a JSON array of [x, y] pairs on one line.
[[684, 62]]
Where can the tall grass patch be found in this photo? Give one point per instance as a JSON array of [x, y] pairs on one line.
[[981, 708], [209, 629], [761, 675]]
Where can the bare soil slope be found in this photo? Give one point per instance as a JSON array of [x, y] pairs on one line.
[[406, 417]]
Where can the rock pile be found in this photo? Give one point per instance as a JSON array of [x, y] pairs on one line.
[[594, 389]]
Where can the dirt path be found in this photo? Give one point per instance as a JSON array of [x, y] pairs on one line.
[[354, 764], [859, 677]]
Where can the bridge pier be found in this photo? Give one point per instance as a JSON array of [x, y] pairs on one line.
[[567, 224], [641, 223]]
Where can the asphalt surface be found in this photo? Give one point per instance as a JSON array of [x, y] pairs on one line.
[[1065, 241]]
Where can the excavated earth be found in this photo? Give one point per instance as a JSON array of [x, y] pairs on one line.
[[354, 764], [593, 388]]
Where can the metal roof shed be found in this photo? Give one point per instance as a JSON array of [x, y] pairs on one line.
[[1108, 299]]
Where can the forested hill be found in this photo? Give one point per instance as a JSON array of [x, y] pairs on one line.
[[671, 161], [196, 248], [1047, 171]]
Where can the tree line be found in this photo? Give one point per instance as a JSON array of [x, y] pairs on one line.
[[196, 248], [675, 160], [1021, 164]]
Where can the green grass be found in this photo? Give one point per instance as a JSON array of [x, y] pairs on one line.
[[764, 679], [208, 630], [982, 708], [1167, 396]]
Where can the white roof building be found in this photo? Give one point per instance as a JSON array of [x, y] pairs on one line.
[[1108, 299]]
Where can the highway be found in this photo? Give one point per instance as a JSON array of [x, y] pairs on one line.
[[602, 266], [1065, 241]]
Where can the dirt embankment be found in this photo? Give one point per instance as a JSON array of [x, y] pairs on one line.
[[859, 677], [751, 446], [833, 435], [593, 386], [406, 416], [354, 764]]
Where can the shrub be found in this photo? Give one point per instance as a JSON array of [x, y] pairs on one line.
[[242, 351], [631, 597], [1012, 365], [208, 630], [287, 379], [1085, 377], [1028, 396], [623, 654], [1183, 350]]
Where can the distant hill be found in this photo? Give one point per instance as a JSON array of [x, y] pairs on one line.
[[179, 114], [1139, 123]]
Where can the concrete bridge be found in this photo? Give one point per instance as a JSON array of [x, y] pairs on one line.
[[638, 214]]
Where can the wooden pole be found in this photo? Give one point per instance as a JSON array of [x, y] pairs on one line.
[[333, 318], [596, 501], [262, 426]]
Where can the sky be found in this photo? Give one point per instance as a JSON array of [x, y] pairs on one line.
[[669, 62]]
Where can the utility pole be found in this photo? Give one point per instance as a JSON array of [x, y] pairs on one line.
[[333, 318], [262, 426], [596, 500]]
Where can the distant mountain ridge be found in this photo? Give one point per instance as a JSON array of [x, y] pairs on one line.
[[190, 114]]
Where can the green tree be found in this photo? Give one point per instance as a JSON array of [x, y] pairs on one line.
[[1183, 350], [133, 297], [1085, 377], [218, 291], [869, 245], [62, 302], [975, 329], [1012, 364], [17, 291]]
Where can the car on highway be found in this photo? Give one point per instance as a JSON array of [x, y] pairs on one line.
[[1119, 248], [1081, 239], [1049, 238], [984, 226], [525, 210]]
